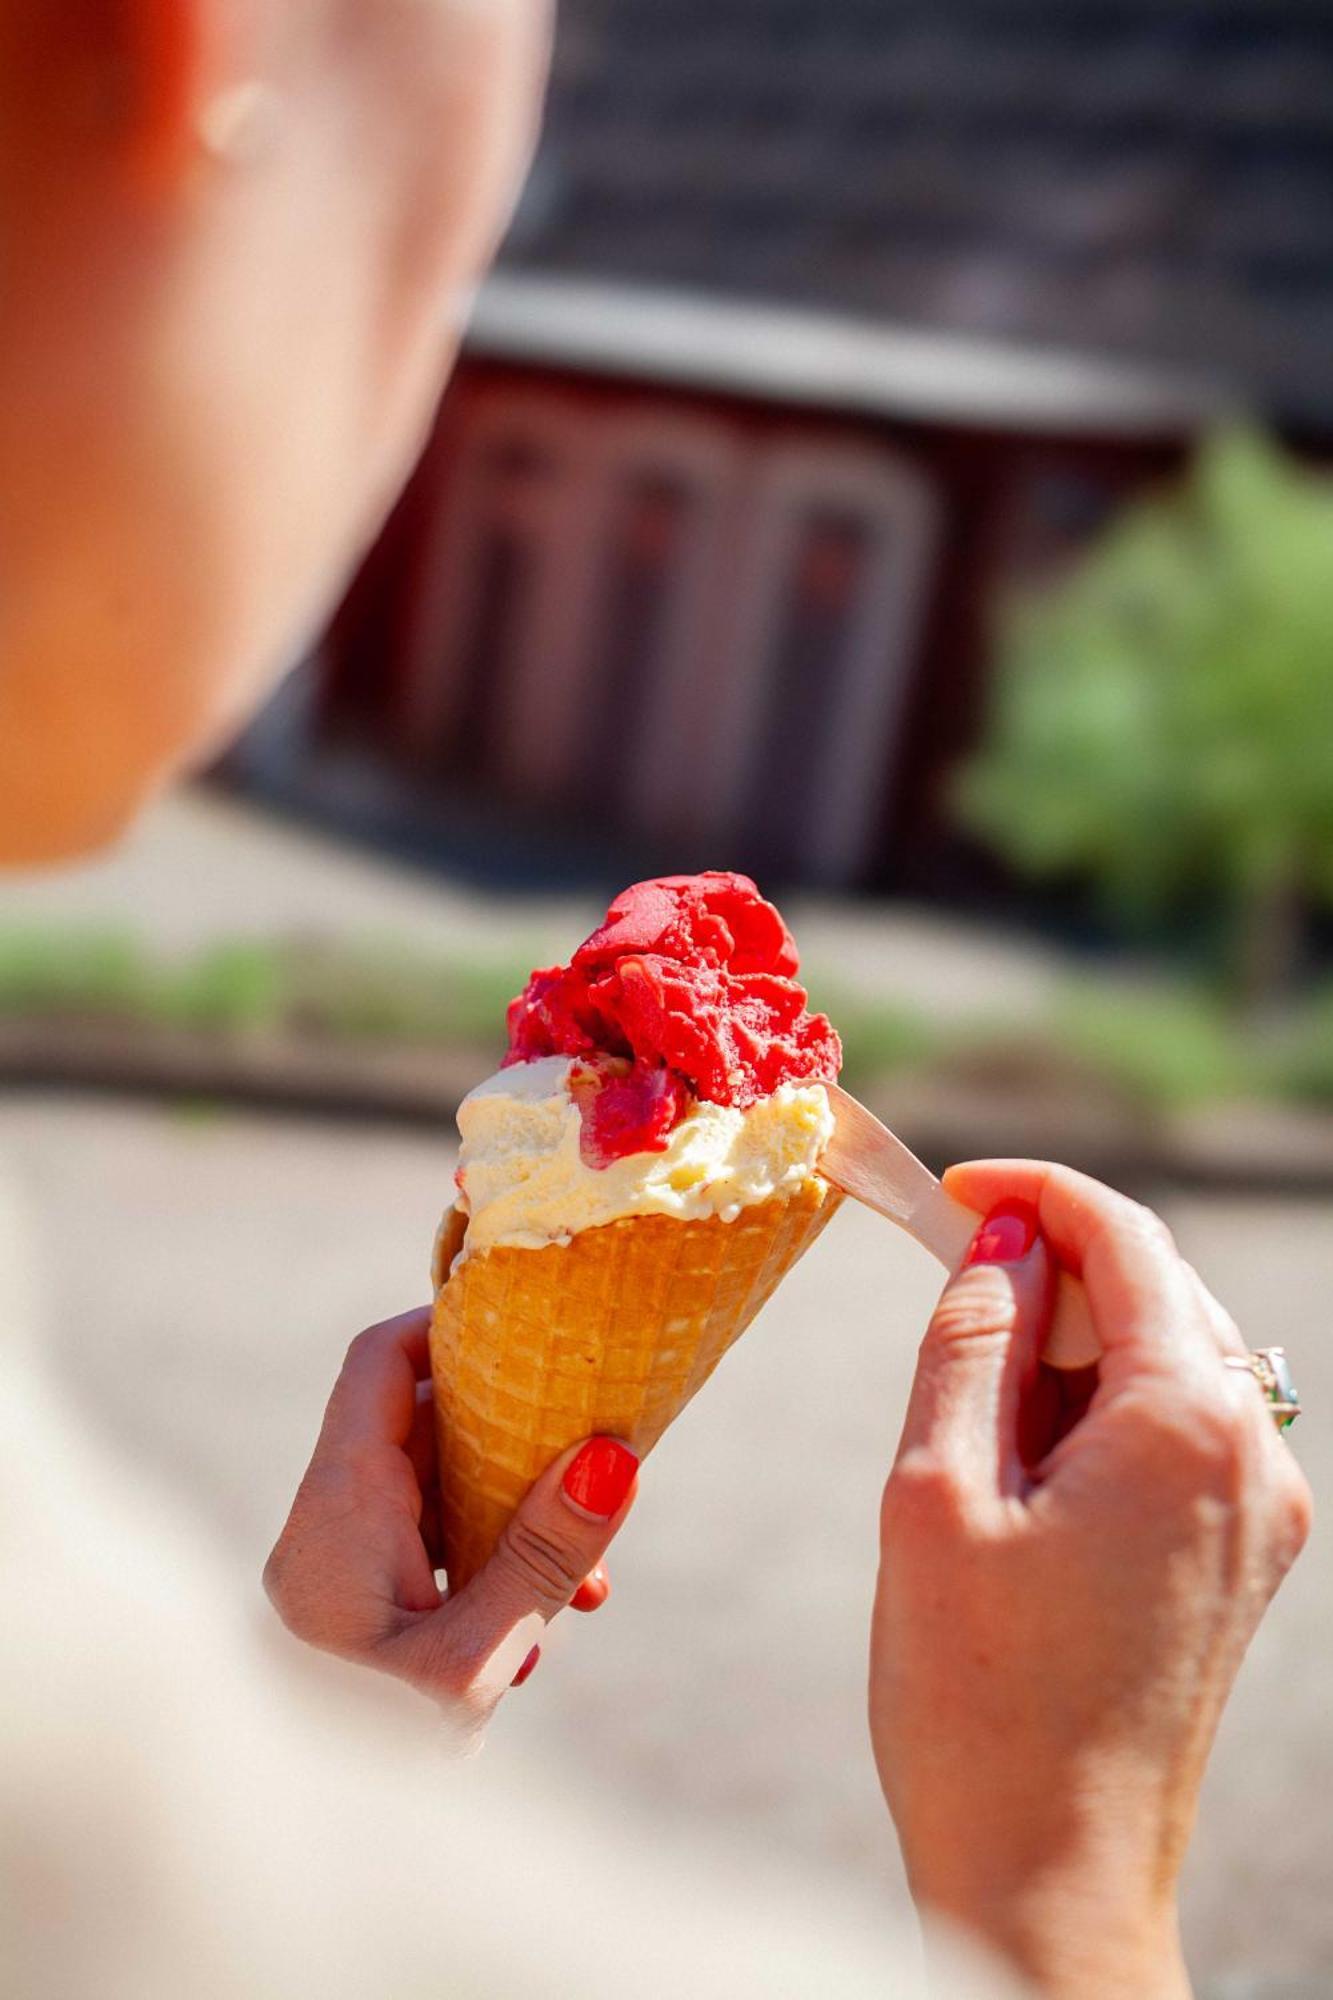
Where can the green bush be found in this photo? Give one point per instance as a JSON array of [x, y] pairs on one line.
[[1163, 720]]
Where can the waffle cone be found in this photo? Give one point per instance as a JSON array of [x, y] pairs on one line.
[[611, 1333]]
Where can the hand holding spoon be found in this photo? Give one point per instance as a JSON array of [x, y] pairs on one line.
[[871, 1164]]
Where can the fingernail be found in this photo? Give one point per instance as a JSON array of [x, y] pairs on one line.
[[1006, 1236], [599, 1478], [528, 1667], [592, 1592]]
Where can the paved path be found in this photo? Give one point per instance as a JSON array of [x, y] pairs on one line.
[[204, 1274]]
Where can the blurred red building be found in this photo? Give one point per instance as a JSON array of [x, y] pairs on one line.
[[821, 326]]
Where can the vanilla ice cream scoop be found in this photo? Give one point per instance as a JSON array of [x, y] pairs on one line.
[[523, 1178]]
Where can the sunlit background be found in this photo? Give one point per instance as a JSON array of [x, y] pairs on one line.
[[889, 459]]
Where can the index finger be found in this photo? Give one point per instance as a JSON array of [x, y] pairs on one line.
[[374, 1397], [1143, 1302]]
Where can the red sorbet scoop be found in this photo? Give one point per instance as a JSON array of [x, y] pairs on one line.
[[691, 974]]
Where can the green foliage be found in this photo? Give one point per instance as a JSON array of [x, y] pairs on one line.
[[386, 992], [1163, 726], [104, 974], [57, 972], [1166, 1046], [383, 992]]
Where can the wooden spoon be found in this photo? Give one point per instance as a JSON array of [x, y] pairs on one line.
[[871, 1164]]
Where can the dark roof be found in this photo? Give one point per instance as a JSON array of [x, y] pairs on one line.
[[1144, 179]]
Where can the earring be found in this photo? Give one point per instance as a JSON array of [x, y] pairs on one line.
[[239, 124]]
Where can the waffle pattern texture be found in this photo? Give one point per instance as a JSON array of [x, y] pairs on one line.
[[611, 1334]]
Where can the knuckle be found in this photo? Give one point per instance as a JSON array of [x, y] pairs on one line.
[[366, 1469], [1193, 1444], [548, 1562], [978, 1305], [1295, 1511], [921, 1496], [360, 1346], [273, 1578], [1215, 1442], [1224, 1321], [1226, 1327], [1220, 1321], [1145, 1225], [282, 1586]]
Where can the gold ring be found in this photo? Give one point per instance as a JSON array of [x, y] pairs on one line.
[[1268, 1365]]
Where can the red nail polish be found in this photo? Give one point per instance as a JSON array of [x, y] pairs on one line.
[[1007, 1234], [592, 1593], [599, 1479], [527, 1668]]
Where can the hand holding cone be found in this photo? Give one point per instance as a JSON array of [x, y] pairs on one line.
[[610, 1334], [636, 1181]]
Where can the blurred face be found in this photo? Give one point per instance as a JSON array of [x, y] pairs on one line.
[[238, 238]]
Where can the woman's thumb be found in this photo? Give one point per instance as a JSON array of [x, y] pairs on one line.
[[980, 1349], [560, 1531], [483, 1635]]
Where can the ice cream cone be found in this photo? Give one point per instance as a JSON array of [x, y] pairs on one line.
[[611, 1333]]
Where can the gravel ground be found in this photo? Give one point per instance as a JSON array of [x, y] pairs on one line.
[[203, 1273]]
